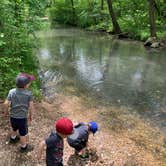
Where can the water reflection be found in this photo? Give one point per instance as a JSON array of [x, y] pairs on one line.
[[116, 72], [44, 53]]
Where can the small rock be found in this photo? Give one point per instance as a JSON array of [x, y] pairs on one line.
[[162, 44], [149, 41], [101, 161], [155, 45], [29, 154]]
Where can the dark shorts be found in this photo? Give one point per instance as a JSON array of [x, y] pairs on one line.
[[19, 124], [79, 146], [57, 164]]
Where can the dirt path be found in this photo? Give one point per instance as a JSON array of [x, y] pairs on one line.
[[107, 148]]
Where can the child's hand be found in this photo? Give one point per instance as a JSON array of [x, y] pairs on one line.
[[75, 123], [6, 107], [29, 119]]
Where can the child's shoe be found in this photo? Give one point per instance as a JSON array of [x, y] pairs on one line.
[[15, 140], [28, 148], [84, 156]]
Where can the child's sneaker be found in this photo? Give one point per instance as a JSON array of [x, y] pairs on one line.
[[28, 148], [13, 141], [84, 156]]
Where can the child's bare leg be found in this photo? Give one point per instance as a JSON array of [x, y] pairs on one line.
[[23, 140], [13, 134], [25, 147], [13, 137], [83, 151]]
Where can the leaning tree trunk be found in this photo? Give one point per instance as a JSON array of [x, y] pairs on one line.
[[116, 27], [152, 18]]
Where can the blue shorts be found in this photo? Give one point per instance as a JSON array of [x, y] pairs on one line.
[[19, 124]]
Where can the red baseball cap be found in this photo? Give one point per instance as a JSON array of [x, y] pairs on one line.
[[30, 77], [64, 126]]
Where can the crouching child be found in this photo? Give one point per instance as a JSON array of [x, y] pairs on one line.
[[79, 139]]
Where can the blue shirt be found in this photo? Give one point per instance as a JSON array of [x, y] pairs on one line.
[[81, 140]]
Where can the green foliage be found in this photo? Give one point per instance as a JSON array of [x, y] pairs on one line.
[[62, 13], [88, 14], [82, 15], [19, 20], [7, 73], [133, 16]]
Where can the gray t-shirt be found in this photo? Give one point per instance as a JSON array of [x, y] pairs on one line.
[[20, 99]]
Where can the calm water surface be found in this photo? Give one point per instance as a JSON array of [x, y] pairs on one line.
[[114, 72]]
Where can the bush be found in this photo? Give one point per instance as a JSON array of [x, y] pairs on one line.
[[17, 27]]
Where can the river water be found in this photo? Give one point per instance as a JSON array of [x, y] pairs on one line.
[[112, 72]]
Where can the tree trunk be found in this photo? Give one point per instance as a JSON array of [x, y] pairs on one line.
[[152, 19], [102, 4], [73, 11], [116, 27]]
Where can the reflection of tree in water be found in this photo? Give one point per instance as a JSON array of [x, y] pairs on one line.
[[133, 85], [113, 52], [145, 98]]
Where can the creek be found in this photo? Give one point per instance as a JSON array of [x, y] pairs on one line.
[[121, 73]]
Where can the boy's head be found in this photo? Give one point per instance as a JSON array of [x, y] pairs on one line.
[[24, 79], [64, 126], [93, 126]]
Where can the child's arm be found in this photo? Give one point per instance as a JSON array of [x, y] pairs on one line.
[[77, 124], [6, 107], [31, 110], [40, 149]]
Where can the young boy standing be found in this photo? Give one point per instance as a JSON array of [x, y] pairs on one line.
[[54, 143], [20, 102]]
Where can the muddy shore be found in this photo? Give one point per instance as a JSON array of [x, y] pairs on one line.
[[117, 143]]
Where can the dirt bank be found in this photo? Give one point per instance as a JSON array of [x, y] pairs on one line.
[[117, 143]]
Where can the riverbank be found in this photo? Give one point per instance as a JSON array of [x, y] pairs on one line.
[[148, 42], [115, 144]]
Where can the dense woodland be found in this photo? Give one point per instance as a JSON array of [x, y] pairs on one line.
[[139, 18], [19, 19]]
